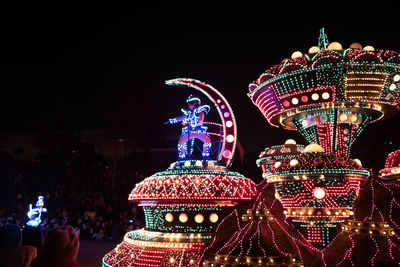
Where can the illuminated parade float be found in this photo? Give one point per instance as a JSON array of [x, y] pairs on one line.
[[329, 95], [184, 204], [316, 206]]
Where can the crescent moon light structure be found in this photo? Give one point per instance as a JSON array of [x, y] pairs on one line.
[[225, 112]]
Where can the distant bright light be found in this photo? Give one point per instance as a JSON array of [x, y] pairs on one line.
[[277, 164], [396, 78], [229, 124], [392, 87], [295, 101]]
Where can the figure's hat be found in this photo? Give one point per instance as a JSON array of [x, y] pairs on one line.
[[192, 99]]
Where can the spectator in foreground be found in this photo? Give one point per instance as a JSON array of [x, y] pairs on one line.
[[32, 236], [12, 254], [60, 249]]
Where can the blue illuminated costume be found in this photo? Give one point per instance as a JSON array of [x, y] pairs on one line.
[[35, 215], [192, 120]]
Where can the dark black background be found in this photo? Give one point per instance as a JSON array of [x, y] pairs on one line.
[[75, 66]]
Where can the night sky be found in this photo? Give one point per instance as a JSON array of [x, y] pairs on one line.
[[73, 67]]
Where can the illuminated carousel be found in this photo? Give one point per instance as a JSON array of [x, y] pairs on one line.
[[184, 204]]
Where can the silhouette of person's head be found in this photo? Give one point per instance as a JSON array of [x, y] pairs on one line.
[[10, 235]]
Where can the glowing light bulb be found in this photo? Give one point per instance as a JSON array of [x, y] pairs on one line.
[[313, 148], [296, 54], [277, 164], [290, 142], [315, 96], [369, 48], [230, 138], [335, 46], [213, 217], [343, 117], [313, 50], [325, 95], [183, 218], [199, 218], [319, 193], [169, 217]]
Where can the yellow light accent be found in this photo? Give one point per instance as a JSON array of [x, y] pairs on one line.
[[356, 46], [169, 217], [199, 218], [313, 50], [335, 46], [290, 142], [369, 48], [213, 217], [183, 218], [296, 54]]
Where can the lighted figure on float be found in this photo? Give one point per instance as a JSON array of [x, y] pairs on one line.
[[184, 204], [193, 128], [35, 214]]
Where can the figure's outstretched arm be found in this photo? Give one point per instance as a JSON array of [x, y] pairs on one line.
[[176, 119]]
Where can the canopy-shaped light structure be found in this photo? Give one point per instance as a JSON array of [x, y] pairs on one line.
[[330, 94]]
